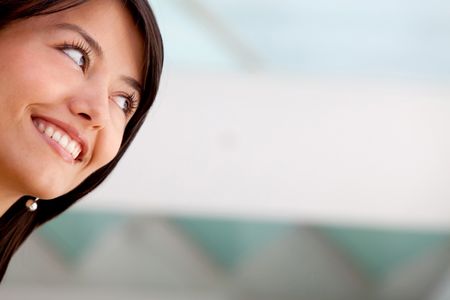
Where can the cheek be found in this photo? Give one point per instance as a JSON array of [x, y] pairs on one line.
[[30, 74], [16, 73], [106, 148]]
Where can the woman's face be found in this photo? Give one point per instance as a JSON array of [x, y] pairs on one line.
[[69, 83]]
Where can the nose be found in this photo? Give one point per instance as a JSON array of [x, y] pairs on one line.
[[91, 107]]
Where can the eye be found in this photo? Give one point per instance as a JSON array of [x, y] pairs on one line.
[[127, 103], [79, 52], [76, 56]]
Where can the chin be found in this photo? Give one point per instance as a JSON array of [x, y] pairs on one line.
[[48, 193], [49, 189]]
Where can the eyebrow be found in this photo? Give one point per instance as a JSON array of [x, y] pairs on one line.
[[98, 50], [133, 83], [90, 40]]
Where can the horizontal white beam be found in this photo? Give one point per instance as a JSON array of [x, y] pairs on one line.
[[322, 150]]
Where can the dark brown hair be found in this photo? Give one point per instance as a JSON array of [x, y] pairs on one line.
[[17, 223]]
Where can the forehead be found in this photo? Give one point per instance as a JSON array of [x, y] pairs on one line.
[[110, 24]]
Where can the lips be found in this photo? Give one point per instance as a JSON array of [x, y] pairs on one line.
[[65, 140]]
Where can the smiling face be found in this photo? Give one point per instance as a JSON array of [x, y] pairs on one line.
[[69, 83]]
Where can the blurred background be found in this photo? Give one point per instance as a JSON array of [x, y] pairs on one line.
[[297, 150]]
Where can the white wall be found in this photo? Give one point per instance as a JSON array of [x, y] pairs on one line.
[[353, 151]]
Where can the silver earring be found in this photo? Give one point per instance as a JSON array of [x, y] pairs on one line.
[[31, 204]]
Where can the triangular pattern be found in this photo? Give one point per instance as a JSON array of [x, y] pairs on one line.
[[73, 233], [148, 253], [418, 278], [380, 251], [230, 241], [301, 265], [179, 257]]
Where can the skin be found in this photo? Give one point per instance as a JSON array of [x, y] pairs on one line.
[[39, 79]]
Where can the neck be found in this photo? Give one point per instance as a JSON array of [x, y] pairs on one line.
[[7, 199]]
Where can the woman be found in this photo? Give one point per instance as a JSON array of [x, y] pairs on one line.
[[77, 78]]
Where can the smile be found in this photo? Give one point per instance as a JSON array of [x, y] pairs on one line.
[[68, 148]]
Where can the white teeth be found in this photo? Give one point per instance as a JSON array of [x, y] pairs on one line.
[[76, 152], [64, 141], [71, 146], [41, 127], [56, 135], [49, 131]]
